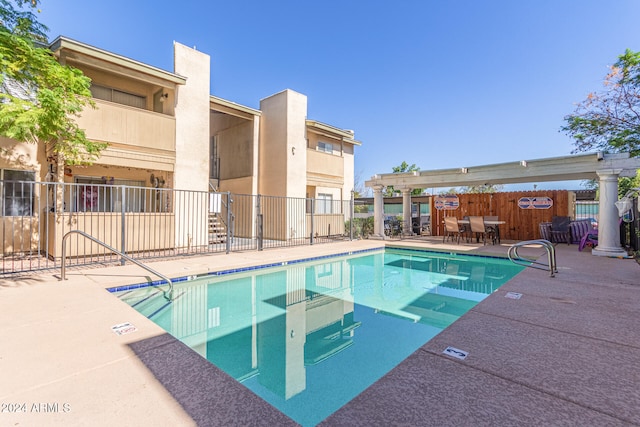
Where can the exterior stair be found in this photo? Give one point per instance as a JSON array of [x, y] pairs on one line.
[[217, 229]]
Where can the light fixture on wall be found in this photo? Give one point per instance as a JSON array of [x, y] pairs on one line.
[[293, 151], [163, 96], [464, 170], [156, 181], [523, 163]]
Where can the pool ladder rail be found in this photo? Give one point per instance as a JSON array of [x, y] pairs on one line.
[[551, 264], [167, 294]]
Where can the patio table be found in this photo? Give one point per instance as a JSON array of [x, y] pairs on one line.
[[494, 223]]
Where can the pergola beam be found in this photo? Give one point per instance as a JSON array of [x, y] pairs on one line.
[[606, 168], [567, 168]]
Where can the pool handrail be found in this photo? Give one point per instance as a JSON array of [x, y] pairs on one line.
[[168, 295], [527, 262]]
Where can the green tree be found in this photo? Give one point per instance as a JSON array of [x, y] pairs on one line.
[[625, 184], [39, 97], [404, 167], [453, 190], [610, 120], [484, 188]]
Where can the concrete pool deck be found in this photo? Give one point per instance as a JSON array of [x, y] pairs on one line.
[[566, 353]]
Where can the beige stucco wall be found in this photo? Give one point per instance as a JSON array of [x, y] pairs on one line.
[[142, 231], [235, 149], [349, 170], [283, 162], [334, 169], [272, 162], [22, 156], [255, 178], [321, 164], [236, 186], [192, 140], [117, 123], [192, 119], [314, 138], [336, 193], [136, 138]]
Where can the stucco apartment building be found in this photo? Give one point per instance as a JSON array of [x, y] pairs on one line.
[[161, 123], [165, 130]]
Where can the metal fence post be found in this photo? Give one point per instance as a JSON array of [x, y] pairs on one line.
[[123, 246], [312, 209], [259, 224], [229, 225], [352, 214], [635, 226]]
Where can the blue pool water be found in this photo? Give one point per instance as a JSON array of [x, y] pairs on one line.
[[309, 337]]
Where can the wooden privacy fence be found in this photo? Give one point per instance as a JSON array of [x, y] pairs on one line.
[[521, 224]]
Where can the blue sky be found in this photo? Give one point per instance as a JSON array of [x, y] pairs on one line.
[[436, 83]]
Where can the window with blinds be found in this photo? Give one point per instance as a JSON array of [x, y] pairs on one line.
[[118, 96], [325, 147], [324, 203], [17, 189]]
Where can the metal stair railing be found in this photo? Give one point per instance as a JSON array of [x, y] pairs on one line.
[[229, 223], [168, 295], [527, 262]]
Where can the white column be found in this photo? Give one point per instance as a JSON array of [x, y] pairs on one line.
[[407, 230], [378, 212], [608, 224]]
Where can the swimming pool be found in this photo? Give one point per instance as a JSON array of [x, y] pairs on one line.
[[308, 337]]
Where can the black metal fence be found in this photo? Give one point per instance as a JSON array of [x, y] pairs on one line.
[[630, 228], [147, 223]]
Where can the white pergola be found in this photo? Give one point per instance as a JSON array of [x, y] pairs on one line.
[[605, 168]]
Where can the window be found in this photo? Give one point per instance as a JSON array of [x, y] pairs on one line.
[[17, 192], [325, 147], [101, 195], [118, 96], [324, 203], [324, 270]]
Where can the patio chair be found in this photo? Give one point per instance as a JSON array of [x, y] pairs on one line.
[[451, 228], [589, 239], [465, 229], [425, 229], [560, 231], [545, 230], [493, 230], [478, 228], [579, 228]]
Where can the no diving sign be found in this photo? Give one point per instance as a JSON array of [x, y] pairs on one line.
[[455, 352], [123, 328]]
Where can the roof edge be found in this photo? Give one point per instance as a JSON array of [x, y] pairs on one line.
[[62, 42]]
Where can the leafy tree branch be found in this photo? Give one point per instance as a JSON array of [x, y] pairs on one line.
[[610, 120], [39, 97], [404, 167]]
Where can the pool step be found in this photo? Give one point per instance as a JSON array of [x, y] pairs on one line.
[[149, 305]]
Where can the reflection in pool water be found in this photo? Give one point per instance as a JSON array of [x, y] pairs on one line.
[[309, 337]]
